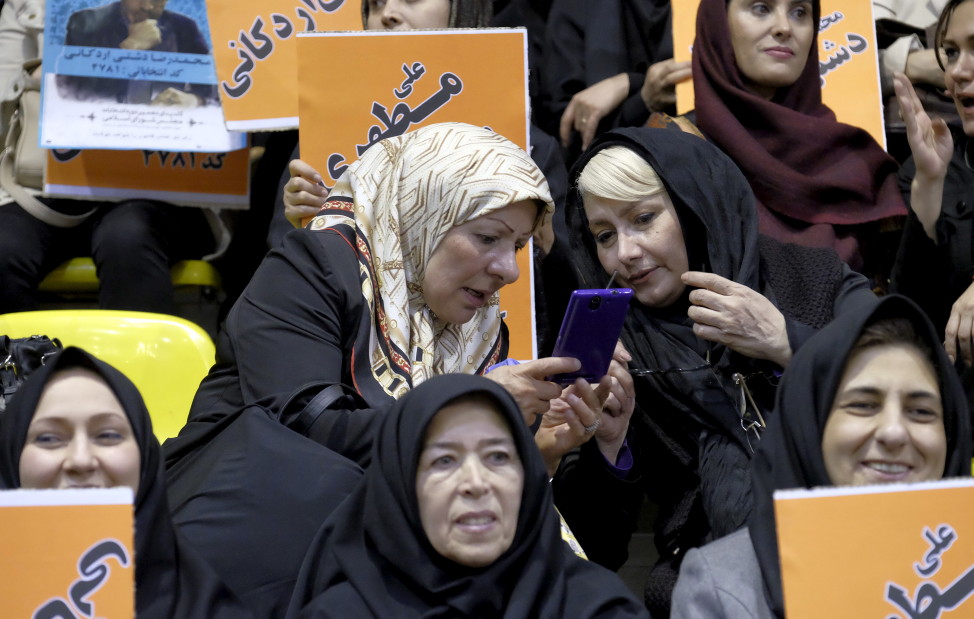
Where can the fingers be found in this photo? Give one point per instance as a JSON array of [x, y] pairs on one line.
[[710, 281], [586, 405], [303, 189], [300, 168], [548, 366], [950, 334], [589, 125], [567, 123], [620, 354], [964, 329]]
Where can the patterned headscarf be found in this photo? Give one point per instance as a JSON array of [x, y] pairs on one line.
[[401, 198]]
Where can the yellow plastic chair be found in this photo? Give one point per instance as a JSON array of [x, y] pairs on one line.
[[165, 356], [78, 275]]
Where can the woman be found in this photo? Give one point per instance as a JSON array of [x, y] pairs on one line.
[[934, 265], [78, 422], [394, 282], [817, 182], [720, 311], [133, 243], [883, 390], [453, 519]]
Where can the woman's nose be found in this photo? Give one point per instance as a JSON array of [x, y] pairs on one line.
[[627, 247], [504, 266], [892, 431], [80, 457], [390, 15], [474, 482], [963, 69], [781, 27]]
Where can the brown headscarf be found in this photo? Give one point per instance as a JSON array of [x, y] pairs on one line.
[[810, 173]]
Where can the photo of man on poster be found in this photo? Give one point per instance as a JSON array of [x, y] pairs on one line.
[[138, 25]]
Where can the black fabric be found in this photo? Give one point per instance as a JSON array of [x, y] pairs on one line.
[[586, 42], [935, 273], [805, 280], [790, 455], [372, 557], [687, 421], [132, 244], [321, 316], [250, 494], [171, 581]]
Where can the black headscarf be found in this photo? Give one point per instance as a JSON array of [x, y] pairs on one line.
[[790, 455], [170, 581], [715, 207], [373, 557]]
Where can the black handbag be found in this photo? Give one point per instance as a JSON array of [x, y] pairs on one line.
[[18, 358]]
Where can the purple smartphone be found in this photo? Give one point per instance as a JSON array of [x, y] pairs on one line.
[[590, 330]]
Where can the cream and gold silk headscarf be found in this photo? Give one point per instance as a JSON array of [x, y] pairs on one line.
[[402, 197]]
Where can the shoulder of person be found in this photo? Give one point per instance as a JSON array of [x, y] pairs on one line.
[[726, 574]]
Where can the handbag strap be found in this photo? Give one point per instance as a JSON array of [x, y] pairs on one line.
[[333, 396], [7, 179], [28, 202]]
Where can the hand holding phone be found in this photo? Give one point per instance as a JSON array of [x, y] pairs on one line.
[[590, 330]]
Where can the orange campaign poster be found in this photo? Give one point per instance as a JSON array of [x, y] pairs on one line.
[[891, 551], [219, 180], [67, 553], [393, 82], [848, 61], [256, 55]]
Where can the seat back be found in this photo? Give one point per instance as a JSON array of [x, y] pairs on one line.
[[165, 356]]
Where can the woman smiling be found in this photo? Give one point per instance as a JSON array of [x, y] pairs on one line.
[[871, 399]]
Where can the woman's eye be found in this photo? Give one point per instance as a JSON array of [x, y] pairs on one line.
[[924, 414], [644, 218], [861, 406], [760, 8], [950, 53], [109, 436], [487, 239], [800, 12], [604, 237], [47, 439], [442, 461], [499, 457]]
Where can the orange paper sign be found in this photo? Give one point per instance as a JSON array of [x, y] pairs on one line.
[[847, 56], [189, 179], [67, 553], [892, 551], [396, 82], [256, 55]]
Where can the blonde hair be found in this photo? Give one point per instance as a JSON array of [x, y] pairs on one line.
[[618, 173]]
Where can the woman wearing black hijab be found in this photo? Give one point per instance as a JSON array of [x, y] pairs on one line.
[[381, 553], [170, 580], [803, 448], [721, 309]]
